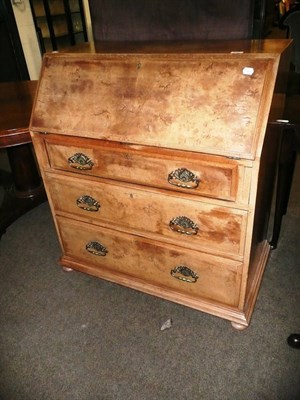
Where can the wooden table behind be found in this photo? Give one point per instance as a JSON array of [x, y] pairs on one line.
[[23, 188]]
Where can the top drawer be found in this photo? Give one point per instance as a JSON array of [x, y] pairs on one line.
[[191, 173]]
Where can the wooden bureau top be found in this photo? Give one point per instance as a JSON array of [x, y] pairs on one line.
[[174, 96], [266, 46]]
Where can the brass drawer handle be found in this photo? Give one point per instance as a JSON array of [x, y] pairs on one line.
[[184, 274], [183, 178], [184, 225], [87, 203], [96, 248], [80, 161]]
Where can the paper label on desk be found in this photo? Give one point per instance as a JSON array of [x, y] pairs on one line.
[[248, 71]]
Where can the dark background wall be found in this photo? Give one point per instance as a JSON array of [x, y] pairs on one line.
[[171, 19], [147, 20], [12, 61]]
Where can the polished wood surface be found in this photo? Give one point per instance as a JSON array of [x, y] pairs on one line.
[[16, 100], [264, 46], [23, 187]]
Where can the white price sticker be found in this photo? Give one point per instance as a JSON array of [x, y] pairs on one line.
[[248, 71]]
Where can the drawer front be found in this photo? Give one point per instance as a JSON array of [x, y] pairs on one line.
[[197, 174], [186, 271], [185, 221]]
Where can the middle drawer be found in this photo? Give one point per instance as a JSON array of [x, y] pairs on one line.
[[155, 213]]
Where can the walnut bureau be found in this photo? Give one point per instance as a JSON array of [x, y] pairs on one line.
[[159, 164]]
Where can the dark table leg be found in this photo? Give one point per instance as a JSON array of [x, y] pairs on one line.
[[23, 188]]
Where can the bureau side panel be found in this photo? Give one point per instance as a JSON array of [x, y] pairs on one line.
[[43, 162], [260, 246]]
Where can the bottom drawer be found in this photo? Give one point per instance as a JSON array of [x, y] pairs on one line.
[[166, 266]]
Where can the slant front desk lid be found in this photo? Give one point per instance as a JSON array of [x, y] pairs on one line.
[[210, 103]]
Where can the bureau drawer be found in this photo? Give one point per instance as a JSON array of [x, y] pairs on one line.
[[155, 213], [193, 173], [184, 271]]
